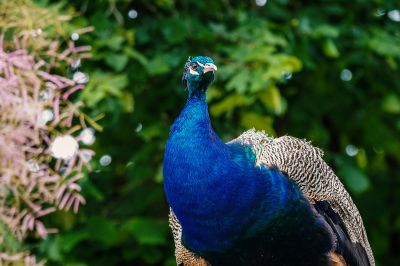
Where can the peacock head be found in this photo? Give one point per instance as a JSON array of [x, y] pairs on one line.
[[198, 75]]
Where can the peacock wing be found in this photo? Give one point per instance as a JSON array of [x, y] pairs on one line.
[[303, 163]]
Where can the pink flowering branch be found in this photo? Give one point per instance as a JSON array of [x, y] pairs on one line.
[[41, 158], [44, 136]]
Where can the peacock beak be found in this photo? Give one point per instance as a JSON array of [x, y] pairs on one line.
[[209, 67]]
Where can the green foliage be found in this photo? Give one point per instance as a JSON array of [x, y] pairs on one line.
[[281, 69], [8, 242]]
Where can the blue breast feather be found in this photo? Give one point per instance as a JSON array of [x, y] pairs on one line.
[[218, 194]]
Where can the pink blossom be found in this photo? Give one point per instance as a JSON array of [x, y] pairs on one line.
[[30, 178]]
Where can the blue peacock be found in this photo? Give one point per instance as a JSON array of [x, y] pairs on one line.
[[255, 200]]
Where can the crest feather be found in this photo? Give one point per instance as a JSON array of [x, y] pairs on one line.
[[187, 66]]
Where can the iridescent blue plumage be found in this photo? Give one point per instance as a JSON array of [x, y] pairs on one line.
[[233, 212]]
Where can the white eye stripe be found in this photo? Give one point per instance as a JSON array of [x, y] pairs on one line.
[[193, 72], [200, 64]]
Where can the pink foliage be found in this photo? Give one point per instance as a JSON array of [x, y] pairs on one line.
[[34, 111], [16, 259]]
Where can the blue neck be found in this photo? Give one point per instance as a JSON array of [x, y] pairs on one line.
[[215, 189]]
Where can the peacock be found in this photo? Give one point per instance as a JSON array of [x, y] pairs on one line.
[[256, 200]]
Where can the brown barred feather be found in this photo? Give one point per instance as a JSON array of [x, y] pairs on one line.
[[183, 256]]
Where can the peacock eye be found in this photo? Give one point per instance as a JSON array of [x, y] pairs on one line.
[[194, 66]]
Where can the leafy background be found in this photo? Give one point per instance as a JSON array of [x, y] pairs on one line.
[[327, 71]]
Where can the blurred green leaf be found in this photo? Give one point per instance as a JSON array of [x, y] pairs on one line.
[[281, 64], [157, 66], [70, 240], [254, 120], [149, 132], [229, 103], [147, 231], [330, 49], [354, 179], [117, 61], [8, 241], [239, 81], [272, 99], [103, 230], [326, 30], [384, 44], [130, 52], [391, 104], [213, 93], [362, 159], [174, 30], [102, 86]]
